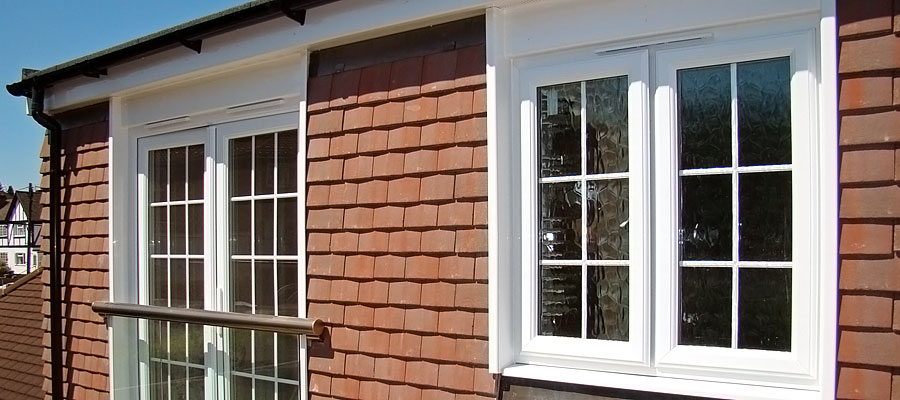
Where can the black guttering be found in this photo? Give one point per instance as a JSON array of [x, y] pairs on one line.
[[189, 34]]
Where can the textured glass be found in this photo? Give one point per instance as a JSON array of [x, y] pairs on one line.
[[706, 217], [158, 230], [287, 226], [560, 129], [177, 173], [264, 282], [560, 301], [241, 287], [195, 284], [239, 167], [607, 303], [264, 353], [765, 216], [287, 288], [264, 234], [196, 166], [195, 229], [159, 282], [607, 220], [288, 357], [764, 112], [705, 307], [264, 170], [177, 283], [561, 221], [240, 227], [606, 113], [177, 230], [764, 310], [241, 387], [158, 175], [704, 116], [287, 162], [241, 344]]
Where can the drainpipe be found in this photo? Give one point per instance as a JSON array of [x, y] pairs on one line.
[[54, 131]]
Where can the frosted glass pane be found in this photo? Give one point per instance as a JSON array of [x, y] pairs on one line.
[[560, 301], [607, 125], [704, 116], [705, 307], [561, 221], [607, 302], [764, 112], [607, 220], [560, 129]]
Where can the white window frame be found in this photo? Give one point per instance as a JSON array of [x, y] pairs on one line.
[[595, 353], [19, 230], [20, 258]]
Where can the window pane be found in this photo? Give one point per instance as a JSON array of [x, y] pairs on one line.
[[706, 217], [264, 170], [196, 166], [704, 116], [607, 125], [607, 220], [560, 129], [196, 388], [764, 112], [177, 173], [264, 353], [241, 387], [195, 282], [765, 216], [178, 341], [288, 357], [159, 382], [561, 221], [287, 162], [241, 287], [179, 381], [705, 306], [265, 390], [264, 283], [287, 288], [158, 230], [159, 282], [607, 302], [287, 226], [240, 227], [195, 344], [764, 311], [264, 232], [560, 301], [239, 167], [178, 283], [241, 357], [195, 229], [158, 175], [177, 228], [288, 392]]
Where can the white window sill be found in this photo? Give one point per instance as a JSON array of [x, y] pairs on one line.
[[658, 384]]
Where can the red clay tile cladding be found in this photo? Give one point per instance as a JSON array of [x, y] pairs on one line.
[[407, 280], [21, 334]]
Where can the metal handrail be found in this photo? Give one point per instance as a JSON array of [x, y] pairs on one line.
[[259, 322]]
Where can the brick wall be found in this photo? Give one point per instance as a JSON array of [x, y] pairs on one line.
[[397, 229], [869, 82], [85, 252]]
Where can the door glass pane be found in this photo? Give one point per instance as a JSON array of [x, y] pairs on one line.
[[764, 111], [705, 306], [264, 169], [607, 125], [287, 162], [706, 217], [560, 301], [704, 116], [607, 303], [765, 214], [764, 311], [561, 221], [177, 173], [560, 129], [607, 220]]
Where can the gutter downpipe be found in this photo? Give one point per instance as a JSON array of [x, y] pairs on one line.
[[54, 130]]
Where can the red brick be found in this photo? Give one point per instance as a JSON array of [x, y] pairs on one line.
[[439, 348], [320, 384], [405, 345], [388, 165], [872, 275], [389, 267], [457, 377], [472, 241], [403, 190], [439, 294], [866, 311], [359, 266], [457, 268], [360, 365], [421, 320], [344, 242], [324, 219], [326, 170], [388, 114], [344, 339], [438, 72], [870, 54], [404, 137], [856, 18], [870, 202], [344, 88], [343, 145], [318, 289], [342, 194], [456, 322], [374, 83], [420, 215], [872, 348], [372, 141], [318, 242], [485, 382], [403, 392], [408, 293], [470, 66], [374, 292], [374, 242], [406, 78], [328, 122], [858, 383], [390, 369], [358, 118], [866, 239], [345, 387], [374, 390], [359, 315], [866, 92], [390, 318], [358, 218], [422, 267], [420, 109], [437, 187], [883, 127], [318, 148], [372, 192], [319, 92], [473, 184], [344, 290], [438, 133], [438, 241], [421, 373], [455, 104], [455, 214], [330, 313]]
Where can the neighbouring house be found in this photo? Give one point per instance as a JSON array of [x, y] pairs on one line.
[[20, 229], [478, 199]]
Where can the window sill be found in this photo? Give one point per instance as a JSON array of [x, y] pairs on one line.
[[658, 384]]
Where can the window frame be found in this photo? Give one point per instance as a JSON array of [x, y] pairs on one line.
[[20, 258]]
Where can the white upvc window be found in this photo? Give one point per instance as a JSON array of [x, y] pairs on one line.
[[218, 230], [669, 221]]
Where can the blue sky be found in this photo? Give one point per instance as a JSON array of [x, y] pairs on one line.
[[41, 33]]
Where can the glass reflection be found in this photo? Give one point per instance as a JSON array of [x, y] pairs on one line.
[[560, 129]]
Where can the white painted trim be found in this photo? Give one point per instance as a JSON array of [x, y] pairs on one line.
[[301, 222]]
